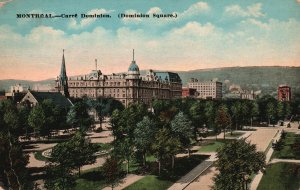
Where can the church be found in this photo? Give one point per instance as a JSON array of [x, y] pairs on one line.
[[127, 88]]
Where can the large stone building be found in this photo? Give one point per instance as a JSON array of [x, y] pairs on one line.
[[127, 87], [284, 93], [207, 89]]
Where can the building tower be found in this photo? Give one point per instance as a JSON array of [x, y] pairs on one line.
[[63, 79], [133, 81], [133, 70]]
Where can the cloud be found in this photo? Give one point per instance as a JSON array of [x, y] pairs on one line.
[[191, 46], [195, 9], [75, 24], [254, 10], [195, 29], [3, 3]]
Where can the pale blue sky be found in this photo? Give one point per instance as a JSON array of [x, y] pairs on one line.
[[206, 34]]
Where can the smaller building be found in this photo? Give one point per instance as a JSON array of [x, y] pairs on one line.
[[284, 93], [248, 95], [207, 89], [189, 92], [33, 98]]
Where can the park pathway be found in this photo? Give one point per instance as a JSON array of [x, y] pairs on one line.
[[284, 160], [260, 136], [183, 182], [128, 180], [258, 177]]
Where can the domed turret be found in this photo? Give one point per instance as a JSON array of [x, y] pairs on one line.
[[133, 70]]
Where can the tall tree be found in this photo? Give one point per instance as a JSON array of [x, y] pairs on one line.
[[271, 112], [223, 119], [143, 136], [124, 149], [112, 171], [236, 113], [13, 161], [197, 115], [182, 128], [75, 153], [210, 114], [59, 177], [37, 120], [165, 146], [78, 116], [254, 111], [236, 161]]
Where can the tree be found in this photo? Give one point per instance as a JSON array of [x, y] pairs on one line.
[[23, 113], [254, 111], [37, 120], [209, 111], [112, 171], [78, 116], [271, 111], [143, 136], [59, 177], [236, 113], [75, 153], [237, 160], [182, 128], [124, 149], [223, 119], [13, 171], [245, 111], [165, 146], [197, 115]]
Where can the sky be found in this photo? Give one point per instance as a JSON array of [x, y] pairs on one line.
[[205, 34]]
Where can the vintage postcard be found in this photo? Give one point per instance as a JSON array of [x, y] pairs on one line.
[[140, 94]]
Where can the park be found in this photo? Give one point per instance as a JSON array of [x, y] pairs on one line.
[[179, 144]]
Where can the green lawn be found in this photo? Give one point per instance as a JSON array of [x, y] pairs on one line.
[[289, 148], [214, 145], [234, 134], [38, 155], [281, 176], [150, 182], [168, 176], [91, 180]]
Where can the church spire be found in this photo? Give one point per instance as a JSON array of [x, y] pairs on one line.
[[63, 79]]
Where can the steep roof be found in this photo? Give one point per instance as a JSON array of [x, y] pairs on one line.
[[168, 76], [56, 97]]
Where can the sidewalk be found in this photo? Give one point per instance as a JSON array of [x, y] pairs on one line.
[[128, 180], [183, 182], [284, 160], [258, 177]]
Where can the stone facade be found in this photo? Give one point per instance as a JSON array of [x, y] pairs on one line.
[[127, 87], [207, 89]]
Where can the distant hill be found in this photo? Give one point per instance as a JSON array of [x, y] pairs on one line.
[[266, 79], [36, 85]]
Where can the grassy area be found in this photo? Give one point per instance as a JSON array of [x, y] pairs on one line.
[[281, 176], [38, 155], [168, 176], [91, 180], [104, 146], [150, 182], [234, 134], [289, 147], [214, 145]]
